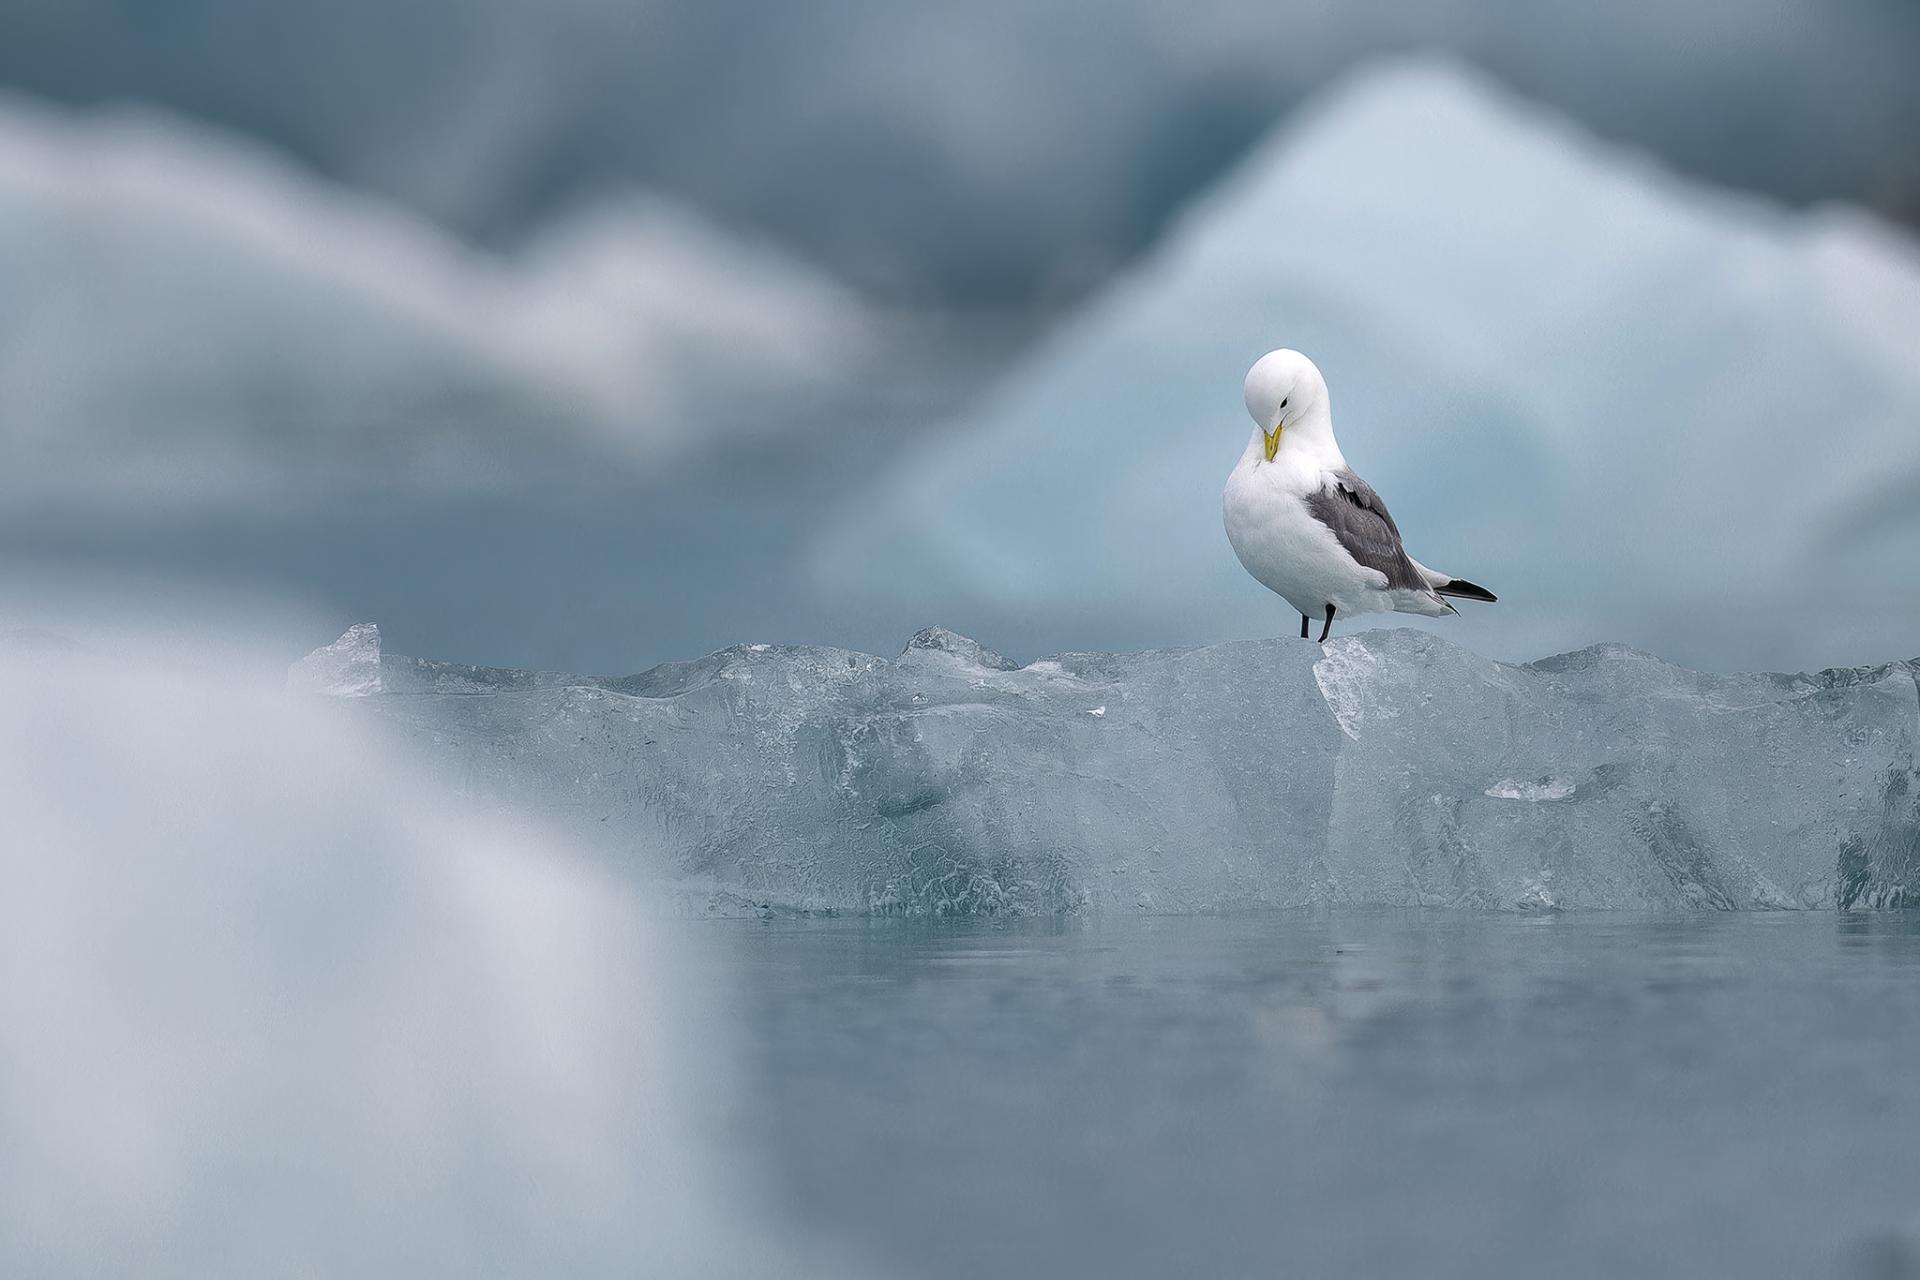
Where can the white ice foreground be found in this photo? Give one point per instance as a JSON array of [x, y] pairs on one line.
[[1386, 768], [272, 1007]]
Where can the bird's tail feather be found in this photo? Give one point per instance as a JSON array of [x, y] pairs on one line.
[[1461, 589], [1442, 585]]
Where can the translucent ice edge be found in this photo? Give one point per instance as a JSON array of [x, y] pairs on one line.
[[1385, 768]]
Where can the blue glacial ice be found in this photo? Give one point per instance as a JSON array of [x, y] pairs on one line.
[[1526, 332], [1386, 768]]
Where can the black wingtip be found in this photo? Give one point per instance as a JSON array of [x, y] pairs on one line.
[[1465, 590]]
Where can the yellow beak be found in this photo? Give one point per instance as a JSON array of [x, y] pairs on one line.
[[1273, 441]]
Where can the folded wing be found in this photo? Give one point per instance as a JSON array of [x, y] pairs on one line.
[[1359, 520]]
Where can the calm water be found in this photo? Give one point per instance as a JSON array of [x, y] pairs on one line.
[[1365, 1095]]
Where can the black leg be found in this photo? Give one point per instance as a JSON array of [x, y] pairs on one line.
[[1328, 627], [1303, 626]]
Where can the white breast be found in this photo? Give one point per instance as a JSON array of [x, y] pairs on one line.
[[1286, 549]]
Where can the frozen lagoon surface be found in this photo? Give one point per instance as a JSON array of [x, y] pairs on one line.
[[1386, 768], [1389, 1093]]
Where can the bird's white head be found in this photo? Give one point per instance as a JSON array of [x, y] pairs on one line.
[[1287, 397]]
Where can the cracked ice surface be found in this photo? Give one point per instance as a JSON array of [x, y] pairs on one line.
[[1386, 768]]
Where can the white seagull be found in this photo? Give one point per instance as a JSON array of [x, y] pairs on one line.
[[1305, 525]]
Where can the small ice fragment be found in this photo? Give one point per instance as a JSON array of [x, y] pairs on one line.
[[1541, 789], [347, 668], [1098, 712], [1536, 897], [1346, 676]]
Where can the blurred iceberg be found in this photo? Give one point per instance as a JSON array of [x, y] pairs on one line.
[[186, 317], [1387, 768], [1634, 406], [272, 1007], [995, 151]]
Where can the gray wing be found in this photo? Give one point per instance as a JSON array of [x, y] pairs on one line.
[[1350, 508]]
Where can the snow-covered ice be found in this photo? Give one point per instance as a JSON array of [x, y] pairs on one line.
[[1389, 767], [1633, 405]]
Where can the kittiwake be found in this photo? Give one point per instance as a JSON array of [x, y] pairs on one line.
[[1309, 529]]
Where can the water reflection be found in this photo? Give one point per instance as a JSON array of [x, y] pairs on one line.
[[1378, 1094]]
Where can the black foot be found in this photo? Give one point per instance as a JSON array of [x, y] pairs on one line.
[[1325, 629], [1303, 626]]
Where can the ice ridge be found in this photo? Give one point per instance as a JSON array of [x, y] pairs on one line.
[[1386, 768]]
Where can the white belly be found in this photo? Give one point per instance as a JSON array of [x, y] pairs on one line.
[[1291, 553]]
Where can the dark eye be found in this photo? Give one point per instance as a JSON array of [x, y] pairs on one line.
[[1283, 404]]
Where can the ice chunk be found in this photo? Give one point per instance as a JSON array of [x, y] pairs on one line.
[[1537, 896], [1348, 677], [1389, 767], [963, 652], [347, 668], [270, 1000], [1538, 789], [1526, 333]]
